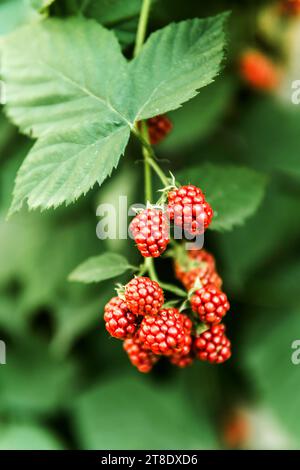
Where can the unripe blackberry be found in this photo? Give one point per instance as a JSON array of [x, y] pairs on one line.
[[150, 230], [184, 358], [163, 333], [119, 321], [158, 128], [259, 71], [189, 210], [144, 296], [197, 264], [213, 345], [139, 356], [210, 303]]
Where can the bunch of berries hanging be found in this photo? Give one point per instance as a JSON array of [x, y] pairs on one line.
[[139, 315]]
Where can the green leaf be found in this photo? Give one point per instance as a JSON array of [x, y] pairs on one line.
[[262, 144], [83, 116], [174, 63], [100, 268], [268, 355], [64, 165], [102, 417], [77, 112], [14, 13], [40, 5], [28, 436], [33, 381], [234, 192], [198, 118], [276, 228]]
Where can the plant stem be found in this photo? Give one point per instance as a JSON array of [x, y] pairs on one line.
[[142, 26], [159, 172]]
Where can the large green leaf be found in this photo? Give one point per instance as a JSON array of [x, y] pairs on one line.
[[83, 114], [234, 192], [174, 63], [27, 436], [99, 268], [130, 412]]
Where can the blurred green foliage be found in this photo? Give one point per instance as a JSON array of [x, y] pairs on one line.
[[66, 384]]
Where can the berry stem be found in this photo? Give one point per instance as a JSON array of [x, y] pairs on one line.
[[142, 26]]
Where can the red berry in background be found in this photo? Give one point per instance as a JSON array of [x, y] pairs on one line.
[[141, 358], [213, 345], [210, 303], [259, 71], [158, 128], [197, 264], [184, 358], [163, 333], [144, 296], [290, 7], [119, 321], [189, 210], [150, 230]]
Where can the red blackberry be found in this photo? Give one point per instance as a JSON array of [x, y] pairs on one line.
[[163, 333], [196, 264], [150, 230], [140, 357], [158, 128], [259, 71], [144, 296], [184, 358], [210, 303], [213, 345], [189, 210], [119, 321]]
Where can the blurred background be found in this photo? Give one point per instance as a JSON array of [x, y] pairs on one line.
[[66, 384]]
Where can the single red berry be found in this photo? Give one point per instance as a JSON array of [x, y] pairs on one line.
[[139, 356], [158, 127], [259, 71], [290, 7], [210, 303], [213, 345], [144, 296], [163, 333], [197, 264], [119, 321], [189, 210], [184, 358], [150, 230]]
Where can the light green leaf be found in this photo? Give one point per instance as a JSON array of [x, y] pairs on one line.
[[83, 115], [174, 63], [75, 110], [47, 91], [234, 192], [27, 436], [100, 268], [62, 166], [101, 417], [14, 13]]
